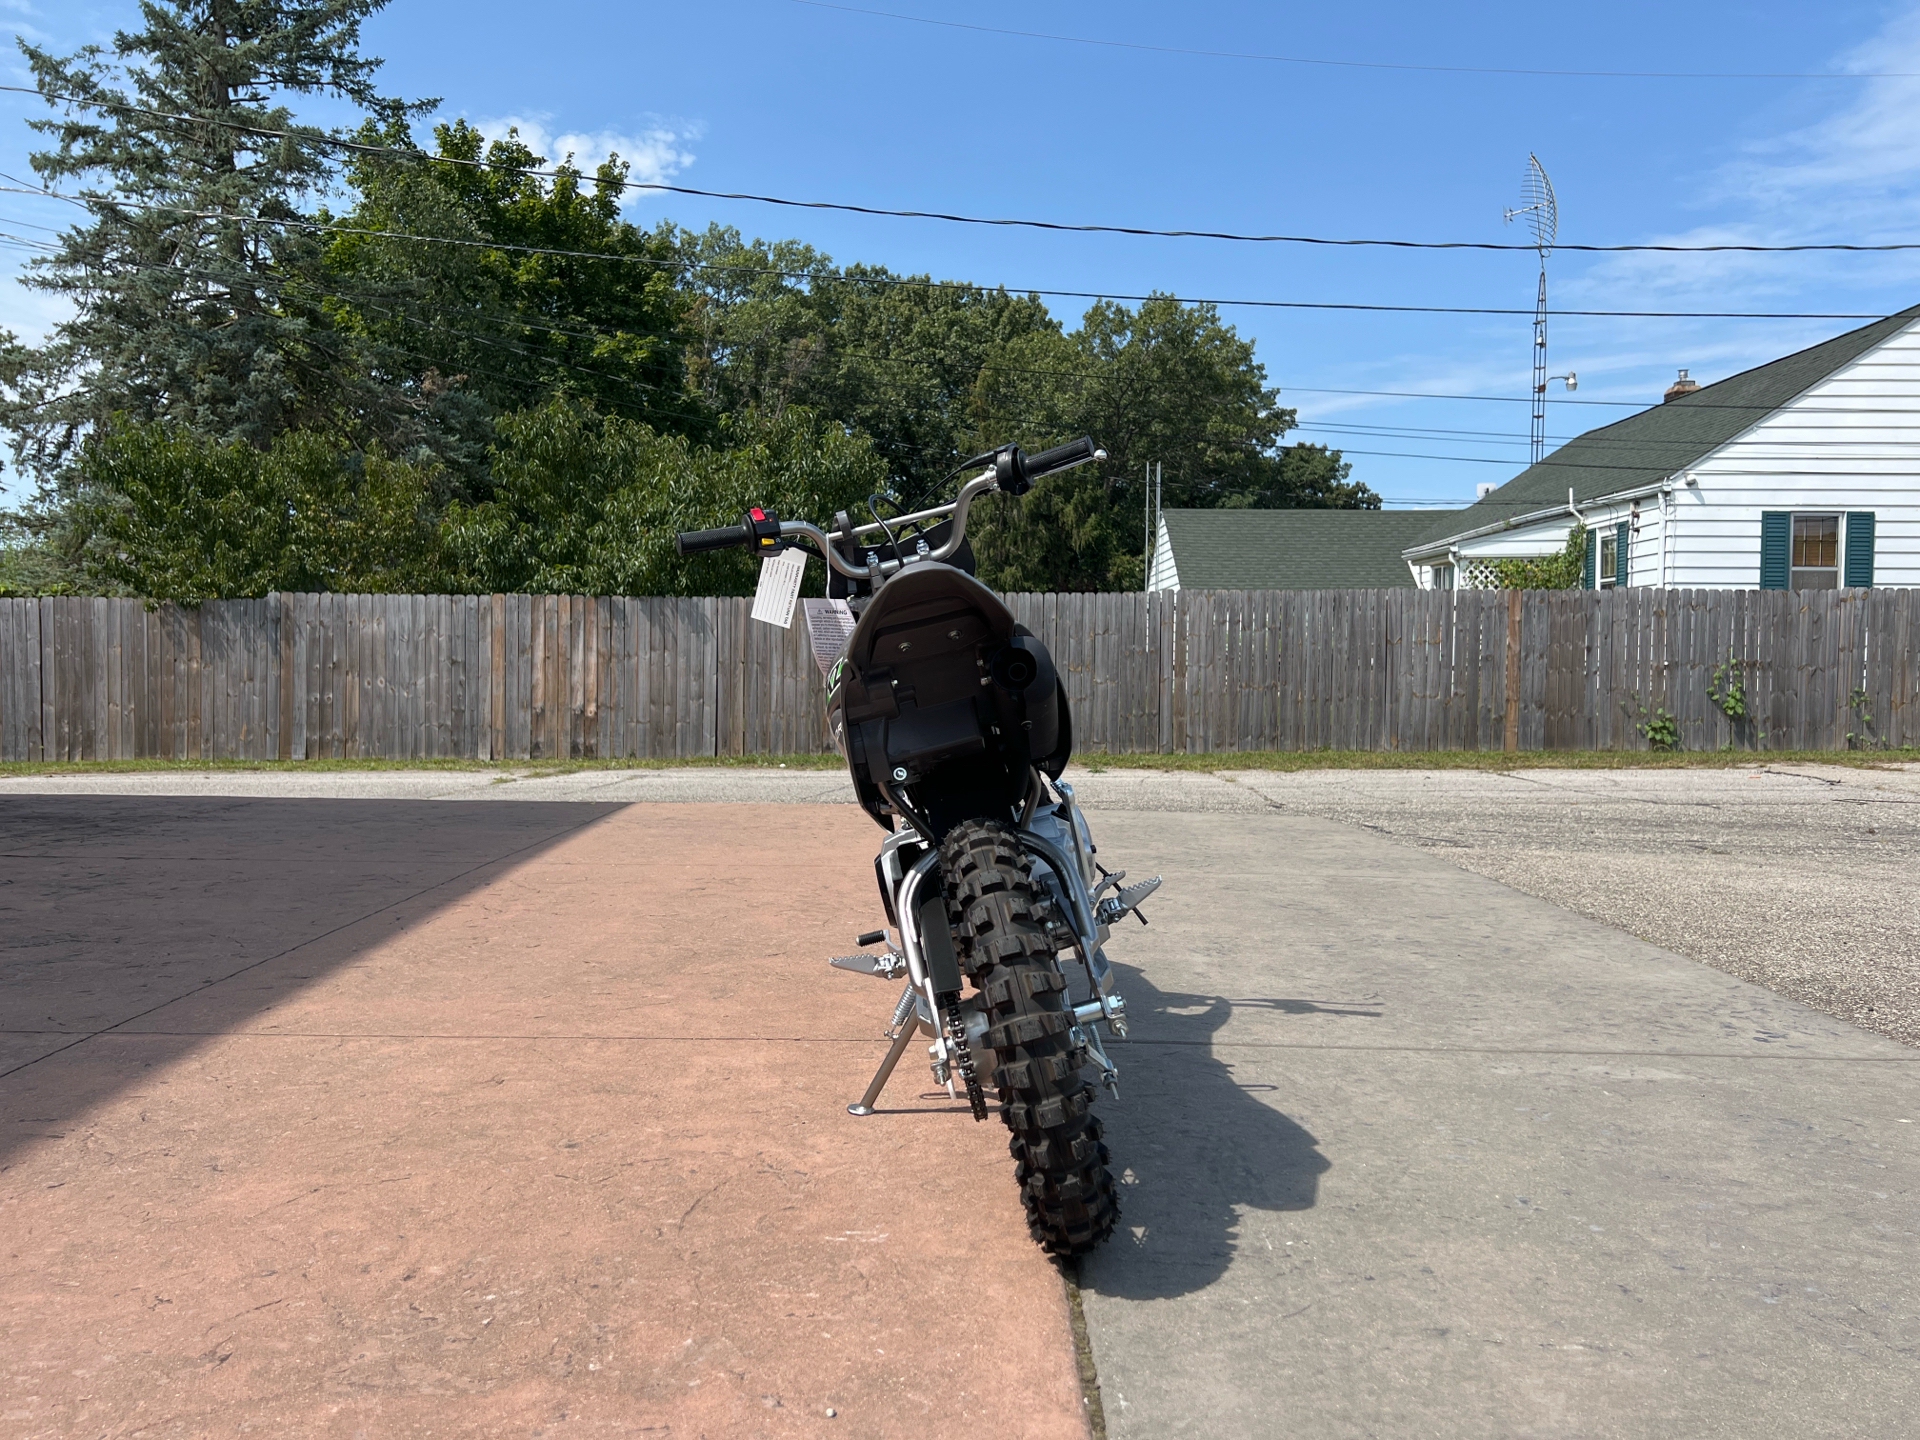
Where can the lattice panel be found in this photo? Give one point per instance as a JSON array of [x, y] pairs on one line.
[[1478, 575]]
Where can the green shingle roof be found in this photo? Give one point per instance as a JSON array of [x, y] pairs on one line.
[[1644, 449], [1293, 549]]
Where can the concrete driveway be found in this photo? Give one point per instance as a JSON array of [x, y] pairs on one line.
[[399, 1118], [1405, 1151], [1408, 1153]]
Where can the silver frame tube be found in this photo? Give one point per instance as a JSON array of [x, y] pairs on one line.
[[957, 508], [1070, 880]]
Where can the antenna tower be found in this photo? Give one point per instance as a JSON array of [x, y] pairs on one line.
[[1542, 215]]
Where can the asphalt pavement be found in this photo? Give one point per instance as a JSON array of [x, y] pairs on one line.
[[1798, 877]]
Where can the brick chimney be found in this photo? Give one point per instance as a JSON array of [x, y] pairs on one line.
[[1682, 386]]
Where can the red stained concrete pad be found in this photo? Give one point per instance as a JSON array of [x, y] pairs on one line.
[[554, 1144]]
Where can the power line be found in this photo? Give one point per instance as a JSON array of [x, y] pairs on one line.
[[992, 364], [314, 137], [1464, 459], [1415, 432], [1442, 395], [485, 244], [1367, 64], [282, 292], [1657, 453], [930, 284], [904, 360]]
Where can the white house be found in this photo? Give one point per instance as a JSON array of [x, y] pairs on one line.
[[1801, 473]]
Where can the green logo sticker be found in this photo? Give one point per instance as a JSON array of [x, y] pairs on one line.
[[833, 675]]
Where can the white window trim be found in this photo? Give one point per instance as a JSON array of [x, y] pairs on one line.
[[1839, 566]]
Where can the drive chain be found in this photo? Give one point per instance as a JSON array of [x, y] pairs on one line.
[[963, 1053]]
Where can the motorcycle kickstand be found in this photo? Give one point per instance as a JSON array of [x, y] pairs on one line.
[[909, 1032]]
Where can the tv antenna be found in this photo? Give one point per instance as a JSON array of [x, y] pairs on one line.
[[1541, 212]]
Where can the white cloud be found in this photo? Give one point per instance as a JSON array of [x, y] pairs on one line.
[[655, 154], [1866, 153], [1851, 175]]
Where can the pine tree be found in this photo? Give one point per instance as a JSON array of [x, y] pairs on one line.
[[198, 294]]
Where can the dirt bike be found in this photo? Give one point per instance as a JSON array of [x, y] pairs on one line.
[[955, 728]]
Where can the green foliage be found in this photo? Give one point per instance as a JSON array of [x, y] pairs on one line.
[[27, 565], [1167, 383], [255, 393], [1656, 725], [1561, 571], [190, 302], [589, 504], [170, 515], [1727, 690], [1868, 736], [777, 325], [937, 372], [463, 332]]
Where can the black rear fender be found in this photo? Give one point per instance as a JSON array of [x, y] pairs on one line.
[[938, 682]]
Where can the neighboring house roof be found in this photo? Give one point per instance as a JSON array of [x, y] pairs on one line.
[[1644, 449], [1292, 549]]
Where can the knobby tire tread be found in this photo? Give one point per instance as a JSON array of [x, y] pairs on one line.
[[1060, 1161]]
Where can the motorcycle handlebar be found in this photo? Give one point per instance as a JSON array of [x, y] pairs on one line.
[[1062, 457], [1028, 468], [688, 542]]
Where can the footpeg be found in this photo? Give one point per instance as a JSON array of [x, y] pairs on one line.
[[887, 966], [1123, 900]]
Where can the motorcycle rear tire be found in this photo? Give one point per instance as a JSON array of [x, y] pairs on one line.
[[1059, 1158]]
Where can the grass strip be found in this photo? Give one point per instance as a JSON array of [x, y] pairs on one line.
[[1215, 760], [1495, 760], [518, 769]]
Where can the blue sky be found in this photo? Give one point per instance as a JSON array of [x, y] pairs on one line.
[[787, 98]]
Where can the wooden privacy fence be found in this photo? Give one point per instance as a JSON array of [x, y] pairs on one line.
[[557, 676]]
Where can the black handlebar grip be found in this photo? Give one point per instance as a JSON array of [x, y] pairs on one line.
[[689, 542], [1060, 457]]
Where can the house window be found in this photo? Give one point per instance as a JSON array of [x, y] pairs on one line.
[[1609, 560], [1443, 577], [1816, 552]]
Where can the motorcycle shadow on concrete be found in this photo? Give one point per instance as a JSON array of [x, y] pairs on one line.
[[1193, 1145]]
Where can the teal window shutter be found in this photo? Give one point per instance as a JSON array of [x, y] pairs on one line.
[[1859, 549], [1592, 579], [1776, 543], [1622, 538]]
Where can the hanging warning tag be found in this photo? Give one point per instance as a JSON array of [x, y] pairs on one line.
[[779, 587], [829, 623]]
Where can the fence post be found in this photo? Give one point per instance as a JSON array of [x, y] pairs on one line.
[[1511, 739]]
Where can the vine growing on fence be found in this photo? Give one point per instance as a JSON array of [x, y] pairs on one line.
[[1727, 689], [1657, 726], [1866, 737]]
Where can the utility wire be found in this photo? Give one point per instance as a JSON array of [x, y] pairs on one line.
[[314, 137], [913, 361], [1614, 442], [95, 204], [904, 360], [1368, 64], [1692, 404], [549, 359]]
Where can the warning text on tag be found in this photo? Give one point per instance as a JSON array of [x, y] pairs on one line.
[[779, 587]]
